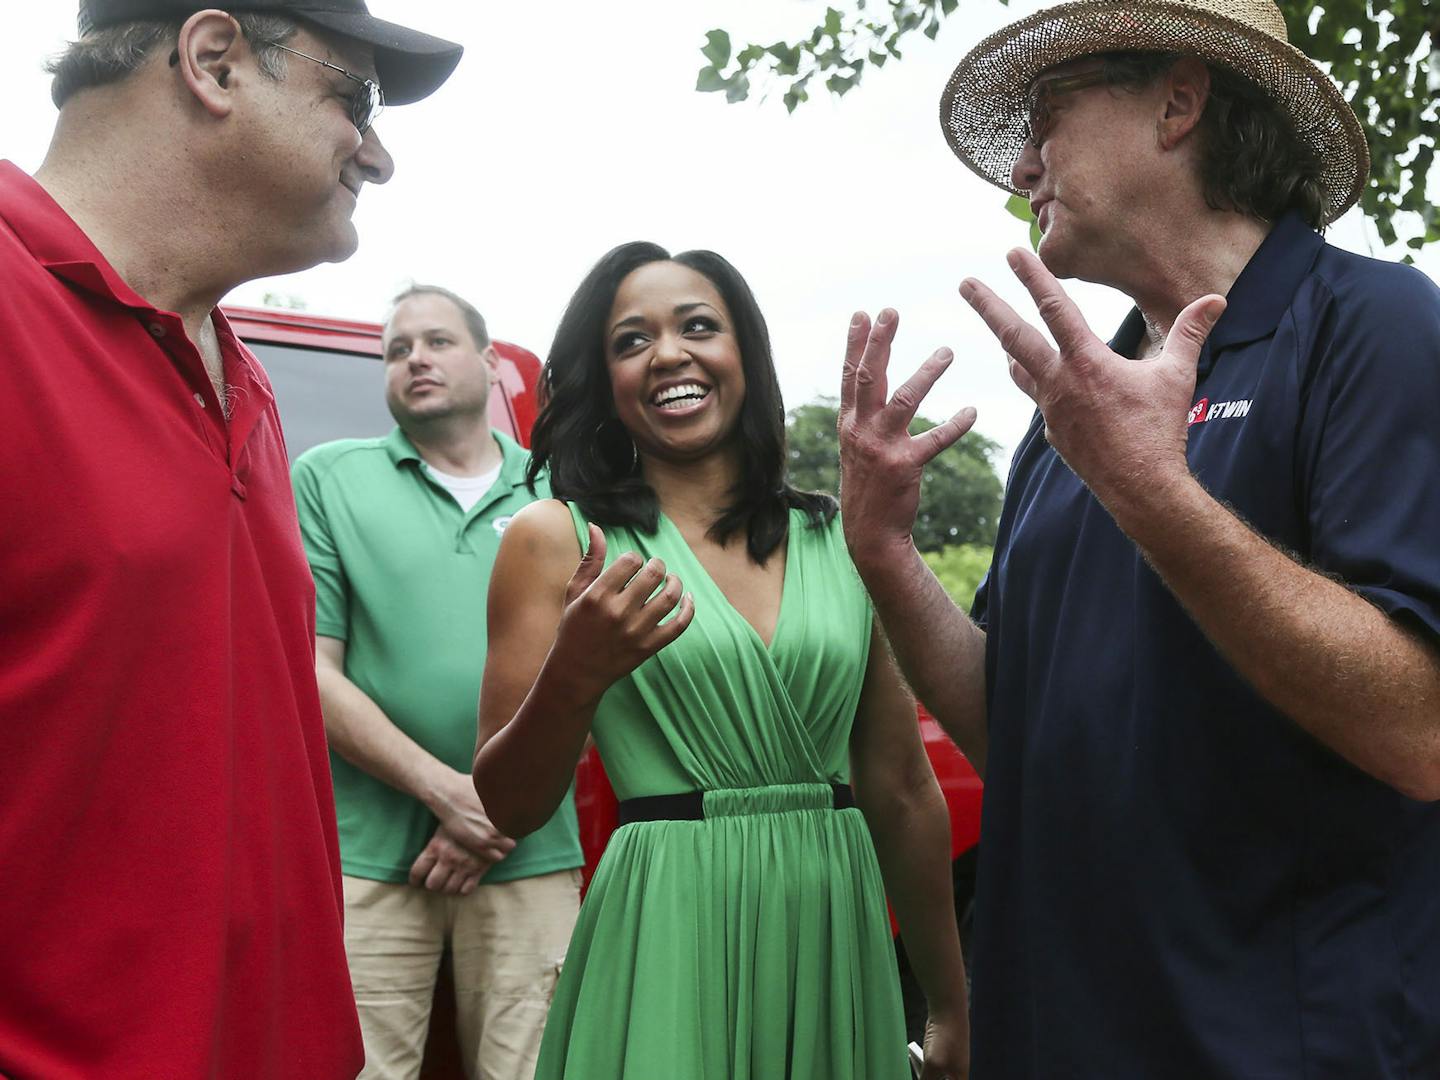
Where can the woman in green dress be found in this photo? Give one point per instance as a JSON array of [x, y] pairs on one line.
[[736, 927]]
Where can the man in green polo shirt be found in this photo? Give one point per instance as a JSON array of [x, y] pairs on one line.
[[401, 533]]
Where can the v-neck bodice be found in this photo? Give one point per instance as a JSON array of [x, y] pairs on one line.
[[717, 708], [696, 577]]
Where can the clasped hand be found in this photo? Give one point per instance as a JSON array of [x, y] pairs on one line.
[[465, 844], [446, 866]]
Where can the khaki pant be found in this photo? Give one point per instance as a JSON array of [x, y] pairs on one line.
[[508, 943]]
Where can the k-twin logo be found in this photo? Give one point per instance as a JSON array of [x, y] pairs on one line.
[[1202, 410]]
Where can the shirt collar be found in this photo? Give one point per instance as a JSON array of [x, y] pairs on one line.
[[1260, 296], [1127, 339], [400, 448], [513, 457], [515, 460], [1266, 287], [56, 242]]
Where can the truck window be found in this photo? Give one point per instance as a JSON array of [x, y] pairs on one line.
[[324, 395]]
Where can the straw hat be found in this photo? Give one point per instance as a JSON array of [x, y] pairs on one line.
[[983, 107]]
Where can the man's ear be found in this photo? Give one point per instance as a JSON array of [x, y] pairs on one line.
[[1187, 89], [491, 356], [208, 51]]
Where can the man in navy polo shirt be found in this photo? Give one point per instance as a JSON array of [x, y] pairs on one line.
[[1202, 676]]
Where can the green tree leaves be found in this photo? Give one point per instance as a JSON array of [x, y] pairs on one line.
[[1385, 54], [1019, 207], [838, 49], [960, 569], [717, 49]]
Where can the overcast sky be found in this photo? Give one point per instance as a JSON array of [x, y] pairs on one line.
[[571, 126]]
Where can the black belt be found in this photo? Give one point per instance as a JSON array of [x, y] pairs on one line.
[[690, 805]]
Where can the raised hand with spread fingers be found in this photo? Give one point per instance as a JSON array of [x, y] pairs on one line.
[[1119, 423], [939, 649]]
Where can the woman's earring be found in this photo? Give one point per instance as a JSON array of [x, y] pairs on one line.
[[634, 450]]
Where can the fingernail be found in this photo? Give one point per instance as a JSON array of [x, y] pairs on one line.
[[966, 288], [944, 355], [857, 320], [887, 317]]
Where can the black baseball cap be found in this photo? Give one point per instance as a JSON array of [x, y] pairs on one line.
[[409, 65]]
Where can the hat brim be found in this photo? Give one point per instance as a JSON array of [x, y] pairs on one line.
[[409, 65], [982, 109]]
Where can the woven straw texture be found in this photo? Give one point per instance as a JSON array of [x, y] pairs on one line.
[[982, 108]]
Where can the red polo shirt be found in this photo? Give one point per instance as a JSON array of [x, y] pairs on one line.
[[169, 885]]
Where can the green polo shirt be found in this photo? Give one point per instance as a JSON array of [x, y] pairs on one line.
[[401, 576]]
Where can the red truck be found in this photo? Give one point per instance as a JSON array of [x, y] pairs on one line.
[[327, 382]]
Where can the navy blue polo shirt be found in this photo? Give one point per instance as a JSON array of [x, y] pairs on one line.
[[1176, 881]]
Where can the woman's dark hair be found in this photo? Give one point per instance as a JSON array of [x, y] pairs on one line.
[[1252, 161], [591, 457]]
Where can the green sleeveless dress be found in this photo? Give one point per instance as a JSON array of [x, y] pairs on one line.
[[752, 945]]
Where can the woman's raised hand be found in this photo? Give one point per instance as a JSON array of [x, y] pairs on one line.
[[614, 618]]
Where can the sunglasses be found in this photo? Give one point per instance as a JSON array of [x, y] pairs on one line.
[[366, 100], [1038, 117]]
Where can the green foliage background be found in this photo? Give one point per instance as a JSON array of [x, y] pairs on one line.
[[1385, 54], [960, 569]]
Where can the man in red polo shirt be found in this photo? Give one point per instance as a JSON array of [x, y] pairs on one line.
[[171, 894]]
